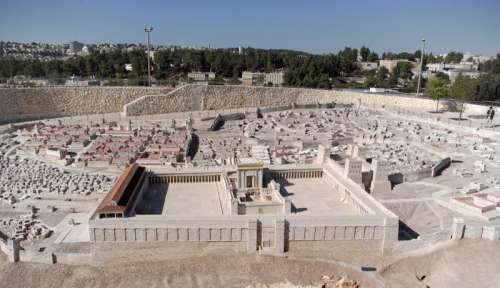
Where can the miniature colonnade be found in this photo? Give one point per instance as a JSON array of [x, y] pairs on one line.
[[296, 174], [181, 178]]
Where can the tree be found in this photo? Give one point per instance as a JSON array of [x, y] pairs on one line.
[[364, 52], [377, 78], [403, 70], [372, 57], [453, 57], [349, 53], [489, 88], [437, 89], [491, 66], [463, 90], [382, 76], [442, 76]]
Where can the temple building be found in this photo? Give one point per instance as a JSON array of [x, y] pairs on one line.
[[264, 207]]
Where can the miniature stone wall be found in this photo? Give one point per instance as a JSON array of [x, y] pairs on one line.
[[213, 97], [275, 233], [329, 233], [460, 230], [22, 104], [153, 229], [185, 98]]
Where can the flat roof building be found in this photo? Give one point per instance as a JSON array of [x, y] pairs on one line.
[[258, 78], [201, 76]]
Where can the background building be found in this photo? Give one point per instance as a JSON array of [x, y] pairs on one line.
[[201, 76], [257, 78]]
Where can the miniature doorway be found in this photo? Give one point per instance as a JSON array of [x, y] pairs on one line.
[[249, 182]]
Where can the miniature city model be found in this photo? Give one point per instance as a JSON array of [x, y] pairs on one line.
[[243, 169]]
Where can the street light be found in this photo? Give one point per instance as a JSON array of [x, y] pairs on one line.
[[149, 30], [421, 66]]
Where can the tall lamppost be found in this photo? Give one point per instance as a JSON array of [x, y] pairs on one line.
[[421, 66], [148, 30]]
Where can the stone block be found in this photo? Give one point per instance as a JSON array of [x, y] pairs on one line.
[[150, 234], [225, 234], [359, 232], [236, 234], [120, 234], [194, 234], [92, 234], [99, 234], [457, 228], [473, 232], [391, 233], [369, 230], [319, 233], [438, 168], [140, 234], [14, 245], [162, 234], [491, 233], [330, 233], [339, 232], [310, 233], [378, 233], [244, 234], [300, 233], [251, 235], [109, 234], [279, 235], [214, 234], [349, 233], [129, 234], [183, 234], [204, 234], [172, 234]]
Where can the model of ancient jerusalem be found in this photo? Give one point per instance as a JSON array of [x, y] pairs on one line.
[[162, 165]]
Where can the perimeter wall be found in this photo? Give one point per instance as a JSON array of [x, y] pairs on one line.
[[215, 97], [22, 104]]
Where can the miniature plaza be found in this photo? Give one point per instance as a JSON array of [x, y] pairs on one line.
[[264, 179]]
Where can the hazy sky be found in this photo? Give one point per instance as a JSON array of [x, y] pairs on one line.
[[317, 26]]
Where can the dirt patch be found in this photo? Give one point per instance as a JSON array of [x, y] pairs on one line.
[[471, 263], [207, 271]]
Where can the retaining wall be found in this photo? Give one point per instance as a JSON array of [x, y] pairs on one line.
[[214, 97], [374, 229], [22, 104]]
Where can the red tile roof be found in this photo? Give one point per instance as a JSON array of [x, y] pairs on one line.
[[118, 198]]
